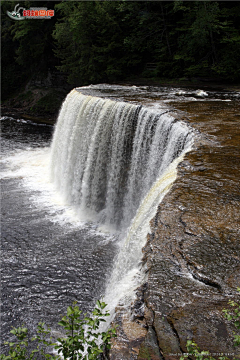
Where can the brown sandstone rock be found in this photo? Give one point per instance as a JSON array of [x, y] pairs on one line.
[[193, 252]]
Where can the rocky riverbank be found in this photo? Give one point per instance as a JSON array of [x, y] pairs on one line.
[[39, 100], [192, 254], [191, 257]]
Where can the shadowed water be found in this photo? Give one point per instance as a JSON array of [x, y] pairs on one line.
[[47, 263], [49, 260]]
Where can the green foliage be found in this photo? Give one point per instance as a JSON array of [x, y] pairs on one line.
[[12, 78], [234, 315], [108, 41], [82, 337], [33, 39], [84, 341], [89, 41], [231, 315], [48, 104], [26, 47], [105, 41], [203, 33], [193, 349], [82, 334], [19, 350]]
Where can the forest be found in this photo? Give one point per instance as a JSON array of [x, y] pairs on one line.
[[112, 41]]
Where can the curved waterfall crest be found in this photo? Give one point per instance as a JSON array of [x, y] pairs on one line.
[[106, 154]]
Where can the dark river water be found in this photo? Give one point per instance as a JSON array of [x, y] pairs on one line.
[[50, 258], [47, 263]]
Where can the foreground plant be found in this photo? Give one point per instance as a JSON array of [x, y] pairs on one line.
[[234, 315], [82, 334], [194, 350], [19, 350], [230, 314], [83, 340]]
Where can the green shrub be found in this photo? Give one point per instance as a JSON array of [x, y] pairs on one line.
[[230, 314], [82, 336]]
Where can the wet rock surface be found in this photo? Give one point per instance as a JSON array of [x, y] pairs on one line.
[[193, 254]]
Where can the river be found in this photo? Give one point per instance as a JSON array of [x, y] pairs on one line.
[[50, 256]]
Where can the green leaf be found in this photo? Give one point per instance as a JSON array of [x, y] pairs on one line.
[[69, 311], [62, 323], [103, 305]]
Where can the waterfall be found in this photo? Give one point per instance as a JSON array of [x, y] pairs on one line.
[[106, 155], [115, 161]]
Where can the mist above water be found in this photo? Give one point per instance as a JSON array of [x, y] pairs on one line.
[[113, 162]]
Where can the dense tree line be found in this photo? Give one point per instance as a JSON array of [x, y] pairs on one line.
[[106, 41]]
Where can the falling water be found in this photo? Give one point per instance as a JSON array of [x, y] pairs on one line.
[[113, 162]]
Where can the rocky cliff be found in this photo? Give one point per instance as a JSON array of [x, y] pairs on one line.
[[192, 254]]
